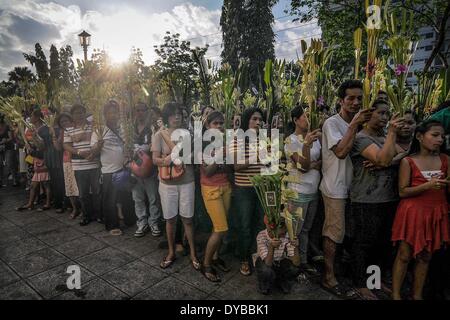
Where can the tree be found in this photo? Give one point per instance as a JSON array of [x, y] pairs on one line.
[[7, 89], [176, 67], [338, 20], [67, 66], [231, 21], [39, 61], [54, 72], [55, 64], [247, 34], [19, 80], [259, 37]]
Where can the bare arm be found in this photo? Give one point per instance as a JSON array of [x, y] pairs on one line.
[[68, 146], [272, 245], [160, 160], [381, 157], [404, 182], [305, 158], [345, 145]]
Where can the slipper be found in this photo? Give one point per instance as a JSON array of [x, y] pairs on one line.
[[196, 265], [245, 269], [166, 263], [73, 216], [116, 232], [340, 292], [221, 265], [25, 207], [210, 273]]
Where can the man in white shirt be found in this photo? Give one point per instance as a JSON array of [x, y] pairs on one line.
[[339, 133]]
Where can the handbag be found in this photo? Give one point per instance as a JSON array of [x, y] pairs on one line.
[[29, 159], [142, 165], [171, 172]]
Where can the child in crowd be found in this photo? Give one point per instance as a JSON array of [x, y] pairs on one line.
[[277, 260]]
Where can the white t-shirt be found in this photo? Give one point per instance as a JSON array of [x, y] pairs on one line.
[[337, 173], [308, 182], [111, 155]]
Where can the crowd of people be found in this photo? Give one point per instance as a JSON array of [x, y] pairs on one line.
[[372, 186]]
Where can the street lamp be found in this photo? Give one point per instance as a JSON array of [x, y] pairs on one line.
[[85, 41]]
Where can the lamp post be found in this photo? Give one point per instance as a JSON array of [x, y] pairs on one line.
[[85, 41]]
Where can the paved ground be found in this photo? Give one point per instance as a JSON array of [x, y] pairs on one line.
[[37, 247]]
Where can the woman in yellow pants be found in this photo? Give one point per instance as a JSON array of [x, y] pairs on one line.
[[216, 192]]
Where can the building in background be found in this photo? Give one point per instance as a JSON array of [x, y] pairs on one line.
[[425, 46]]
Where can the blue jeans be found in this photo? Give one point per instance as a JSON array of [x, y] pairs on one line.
[[309, 213], [146, 187]]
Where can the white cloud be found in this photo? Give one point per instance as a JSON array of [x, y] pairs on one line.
[[290, 34], [118, 28], [117, 31]]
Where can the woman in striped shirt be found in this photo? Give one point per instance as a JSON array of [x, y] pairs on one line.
[[249, 213]]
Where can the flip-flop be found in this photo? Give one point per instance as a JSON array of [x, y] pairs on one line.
[[166, 263], [73, 216], [210, 270], [340, 292], [196, 265], [220, 264], [22, 208], [246, 272], [115, 232]]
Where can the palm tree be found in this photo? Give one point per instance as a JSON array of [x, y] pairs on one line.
[[21, 77]]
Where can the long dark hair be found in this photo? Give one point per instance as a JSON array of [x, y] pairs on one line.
[[423, 128], [296, 113], [213, 115], [246, 116]]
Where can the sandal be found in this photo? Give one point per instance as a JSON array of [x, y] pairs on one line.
[[116, 232], [165, 263], [245, 269], [74, 215], [24, 207], [44, 208], [340, 291], [196, 265], [60, 210], [210, 273], [221, 265]]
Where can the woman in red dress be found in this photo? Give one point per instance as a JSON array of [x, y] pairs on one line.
[[421, 223]]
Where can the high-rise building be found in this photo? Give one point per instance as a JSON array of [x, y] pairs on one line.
[[425, 46]]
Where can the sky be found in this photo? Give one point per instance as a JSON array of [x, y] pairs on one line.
[[118, 25]]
